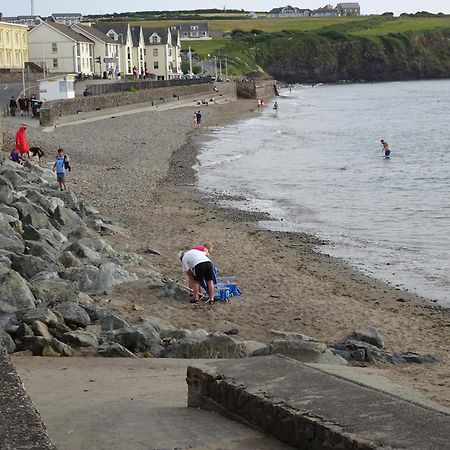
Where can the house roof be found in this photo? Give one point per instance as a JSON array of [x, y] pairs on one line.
[[136, 35], [67, 31], [118, 27], [161, 32], [348, 5], [95, 33], [67, 15]]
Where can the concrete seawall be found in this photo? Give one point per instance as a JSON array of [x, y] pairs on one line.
[[313, 410], [21, 426], [257, 89], [57, 108]]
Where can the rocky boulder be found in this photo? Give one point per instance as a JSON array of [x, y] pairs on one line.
[[14, 290], [73, 314], [40, 345], [80, 339], [163, 328], [43, 315], [7, 342], [307, 352], [370, 336], [66, 218], [216, 345], [112, 322], [54, 291], [28, 265], [135, 340]]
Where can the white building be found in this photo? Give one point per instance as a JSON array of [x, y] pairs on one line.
[[59, 49], [107, 51], [121, 33], [163, 53], [66, 18]]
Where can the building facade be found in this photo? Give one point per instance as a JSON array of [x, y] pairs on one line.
[[163, 53], [287, 12], [66, 18], [59, 49], [107, 51], [349, 9], [196, 30], [13, 45]]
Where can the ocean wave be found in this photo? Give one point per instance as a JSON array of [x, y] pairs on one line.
[[218, 162]]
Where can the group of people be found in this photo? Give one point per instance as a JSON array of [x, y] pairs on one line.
[[197, 119], [199, 268], [23, 152], [23, 104]]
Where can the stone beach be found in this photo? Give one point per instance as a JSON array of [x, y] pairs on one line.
[[75, 280]]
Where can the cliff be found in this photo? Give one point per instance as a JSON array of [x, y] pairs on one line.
[[332, 56]]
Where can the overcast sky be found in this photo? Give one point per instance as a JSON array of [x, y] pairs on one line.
[[46, 7]]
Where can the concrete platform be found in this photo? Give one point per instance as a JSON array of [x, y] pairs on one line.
[[20, 424], [311, 409], [127, 404]]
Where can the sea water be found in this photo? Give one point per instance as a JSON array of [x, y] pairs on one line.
[[316, 165]]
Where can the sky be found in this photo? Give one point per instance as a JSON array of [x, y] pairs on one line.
[[46, 7]]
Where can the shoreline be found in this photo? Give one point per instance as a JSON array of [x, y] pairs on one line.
[[144, 178]]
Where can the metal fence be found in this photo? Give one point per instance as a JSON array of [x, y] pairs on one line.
[[123, 86]]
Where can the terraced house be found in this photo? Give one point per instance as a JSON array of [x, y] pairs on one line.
[[163, 53], [13, 45], [59, 49]]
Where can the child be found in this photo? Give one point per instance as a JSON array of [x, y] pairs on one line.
[[60, 167]]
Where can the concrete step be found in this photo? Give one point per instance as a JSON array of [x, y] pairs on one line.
[[311, 409]]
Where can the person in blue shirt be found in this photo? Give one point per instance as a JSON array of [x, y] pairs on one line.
[[60, 168]]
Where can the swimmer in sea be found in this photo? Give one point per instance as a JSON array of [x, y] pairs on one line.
[[386, 150]]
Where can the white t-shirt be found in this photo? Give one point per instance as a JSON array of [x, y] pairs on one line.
[[191, 258]]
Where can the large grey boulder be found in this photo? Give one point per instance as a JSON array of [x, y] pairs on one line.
[[11, 245], [73, 314], [135, 340], [48, 204], [5, 182], [28, 265], [80, 339], [215, 345], [7, 342], [93, 280], [115, 351], [163, 328], [44, 250], [37, 220], [14, 290], [112, 322], [370, 336], [10, 211], [5, 261], [43, 315], [68, 259], [37, 344], [94, 311], [66, 218], [307, 352], [11, 176], [68, 197], [54, 291], [7, 196]]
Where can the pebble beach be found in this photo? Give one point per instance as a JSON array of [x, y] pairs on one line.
[[138, 169]]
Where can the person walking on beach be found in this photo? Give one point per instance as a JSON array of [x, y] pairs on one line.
[[196, 264], [60, 167], [199, 119], [22, 145], [13, 106], [386, 149]]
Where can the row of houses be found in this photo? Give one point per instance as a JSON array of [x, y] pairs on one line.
[[92, 48], [341, 9]]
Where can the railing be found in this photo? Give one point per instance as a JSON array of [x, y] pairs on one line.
[[109, 88]]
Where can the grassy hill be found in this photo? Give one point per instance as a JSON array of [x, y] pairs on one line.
[[400, 46]]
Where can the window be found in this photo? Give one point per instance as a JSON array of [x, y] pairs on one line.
[[54, 47], [6, 37], [1, 57], [155, 52], [8, 58], [170, 52], [156, 65], [145, 52], [155, 39], [55, 63], [17, 38]]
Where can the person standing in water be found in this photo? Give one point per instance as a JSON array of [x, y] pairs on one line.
[[386, 149], [275, 106]]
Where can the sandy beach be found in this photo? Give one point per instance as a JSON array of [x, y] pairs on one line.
[[138, 168]]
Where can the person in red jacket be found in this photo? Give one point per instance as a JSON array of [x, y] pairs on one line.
[[22, 145]]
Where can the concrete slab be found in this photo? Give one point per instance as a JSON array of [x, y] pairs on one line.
[[315, 410], [20, 425], [123, 404]]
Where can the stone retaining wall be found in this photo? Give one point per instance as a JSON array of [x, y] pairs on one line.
[[313, 410], [257, 89], [54, 109], [20, 424]]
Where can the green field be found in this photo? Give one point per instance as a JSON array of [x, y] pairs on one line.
[[241, 52]]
